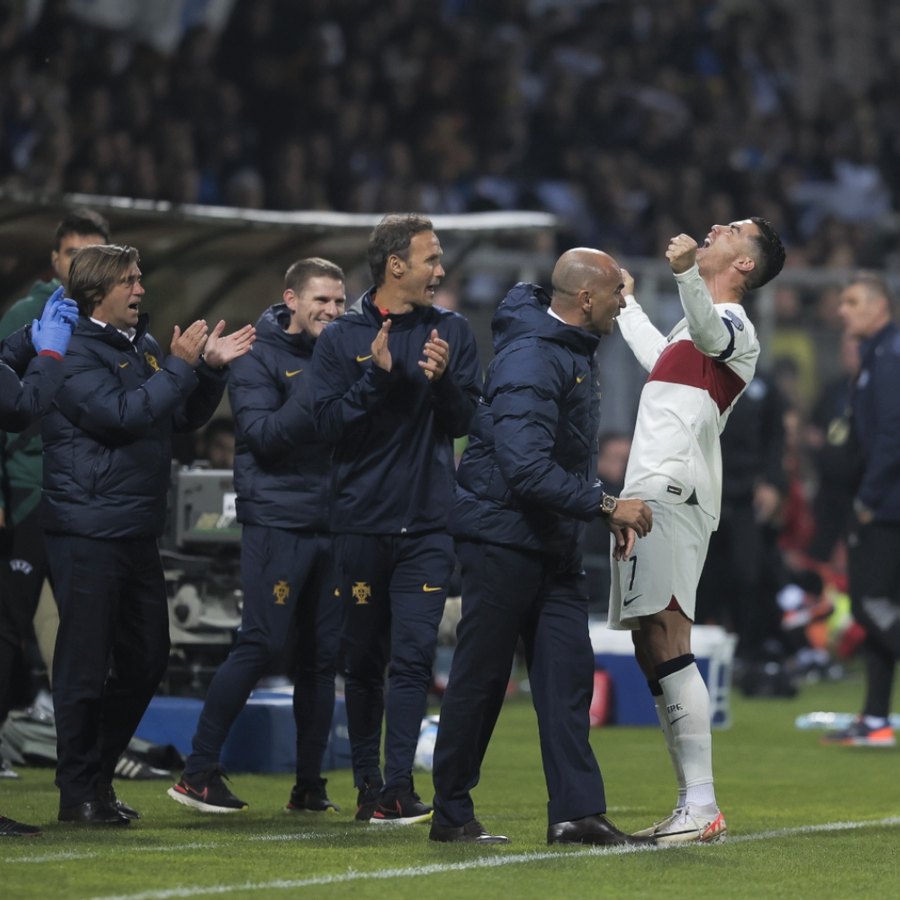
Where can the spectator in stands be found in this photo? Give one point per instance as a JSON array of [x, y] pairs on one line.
[[395, 380], [107, 457], [24, 567], [282, 479], [216, 443], [874, 543], [35, 353]]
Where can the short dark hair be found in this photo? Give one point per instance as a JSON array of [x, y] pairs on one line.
[[391, 237], [82, 221], [302, 270], [95, 271], [770, 254]]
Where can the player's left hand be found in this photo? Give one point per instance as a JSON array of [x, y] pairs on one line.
[[219, 350], [624, 539], [437, 355]]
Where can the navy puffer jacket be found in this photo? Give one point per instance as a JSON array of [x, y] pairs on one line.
[[108, 436], [526, 478], [875, 406], [281, 466], [22, 402], [393, 431]]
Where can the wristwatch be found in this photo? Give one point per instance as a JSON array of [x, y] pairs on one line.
[[608, 504]]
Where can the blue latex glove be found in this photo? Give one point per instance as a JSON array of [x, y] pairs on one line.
[[54, 328]]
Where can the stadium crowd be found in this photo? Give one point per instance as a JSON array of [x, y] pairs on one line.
[[609, 114]]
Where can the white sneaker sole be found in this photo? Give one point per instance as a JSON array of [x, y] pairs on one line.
[[184, 800], [410, 820]]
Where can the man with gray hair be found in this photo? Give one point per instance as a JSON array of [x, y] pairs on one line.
[[107, 461]]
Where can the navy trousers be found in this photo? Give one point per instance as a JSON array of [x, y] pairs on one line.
[[290, 605], [393, 588], [508, 593], [112, 649]]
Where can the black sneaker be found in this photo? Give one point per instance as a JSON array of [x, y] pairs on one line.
[[12, 828], [107, 794], [367, 800], [471, 833], [310, 796], [400, 806], [206, 792]]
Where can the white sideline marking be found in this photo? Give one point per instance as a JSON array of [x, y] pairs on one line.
[[172, 848], [484, 862]]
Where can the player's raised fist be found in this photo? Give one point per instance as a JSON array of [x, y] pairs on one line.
[[681, 253]]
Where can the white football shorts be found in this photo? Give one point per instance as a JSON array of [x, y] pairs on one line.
[[666, 563]]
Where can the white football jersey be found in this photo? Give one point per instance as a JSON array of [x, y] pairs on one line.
[[697, 372]]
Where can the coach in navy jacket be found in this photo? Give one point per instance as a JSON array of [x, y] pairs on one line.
[[281, 476], [281, 465], [867, 311], [108, 440], [394, 380], [107, 458], [525, 488], [534, 489]]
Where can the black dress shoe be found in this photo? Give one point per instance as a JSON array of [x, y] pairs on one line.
[[92, 812], [107, 794], [471, 833], [597, 830]]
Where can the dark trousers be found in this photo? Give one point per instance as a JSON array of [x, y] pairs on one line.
[[112, 649], [393, 589], [23, 569], [508, 593], [289, 584], [874, 570], [738, 586]]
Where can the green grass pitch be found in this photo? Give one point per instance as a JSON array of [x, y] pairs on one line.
[[804, 821]]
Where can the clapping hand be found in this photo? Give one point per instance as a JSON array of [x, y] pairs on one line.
[[219, 350]]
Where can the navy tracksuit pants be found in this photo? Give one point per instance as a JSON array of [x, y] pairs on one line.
[[112, 649], [393, 588], [290, 604], [508, 593]]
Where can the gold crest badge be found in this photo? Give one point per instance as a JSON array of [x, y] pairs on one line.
[[362, 592], [281, 592], [151, 361]]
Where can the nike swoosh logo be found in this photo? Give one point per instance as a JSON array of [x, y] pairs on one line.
[[631, 600], [123, 365], [429, 589], [363, 358], [679, 719], [292, 374], [579, 378]]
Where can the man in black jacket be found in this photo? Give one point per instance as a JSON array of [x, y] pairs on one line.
[[107, 457], [281, 471], [394, 381], [35, 352], [525, 487], [874, 540]]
